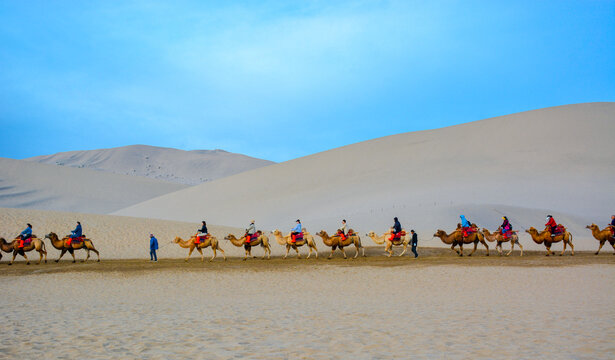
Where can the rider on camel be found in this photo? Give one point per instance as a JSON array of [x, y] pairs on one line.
[[612, 226], [342, 231], [75, 234], [506, 228], [551, 224], [202, 233], [250, 231], [396, 229], [295, 231], [466, 226], [25, 235]]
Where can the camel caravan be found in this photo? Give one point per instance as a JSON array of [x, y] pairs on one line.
[[465, 233]]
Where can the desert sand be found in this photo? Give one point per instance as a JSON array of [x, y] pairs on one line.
[[307, 310], [25, 184], [173, 165], [551, 161]]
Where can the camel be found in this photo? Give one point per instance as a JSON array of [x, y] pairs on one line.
[[65, 246], [456, 238], [191, 244], [261, 240], [286, 240], [602, 236], [546, 238], [35, 244], [496, 236], [388, 247], [335, 241]]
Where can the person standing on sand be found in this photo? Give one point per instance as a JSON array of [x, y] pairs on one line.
[[153, 246], [414, 242]]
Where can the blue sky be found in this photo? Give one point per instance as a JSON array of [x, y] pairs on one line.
[[280, 79]]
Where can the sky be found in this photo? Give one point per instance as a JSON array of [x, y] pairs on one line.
[[284, 79]]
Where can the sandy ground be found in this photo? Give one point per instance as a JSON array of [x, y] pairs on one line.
[[438, 306]]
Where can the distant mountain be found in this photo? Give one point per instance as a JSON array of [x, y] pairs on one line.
[[29, 185], [173, 165]]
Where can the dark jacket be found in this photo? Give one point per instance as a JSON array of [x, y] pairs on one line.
[[613, 222], [153, 243], [203, 229], [397, 227], [506, 226], [415, 240]]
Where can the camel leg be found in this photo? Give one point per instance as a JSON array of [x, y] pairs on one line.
[[357, 254], [97, 254], [61, 254], [268, 253], [549, 250], [486, 246], [498, 247], [299, 255], [189, 253], [343, 253], [520, 247], [461, 249], [600, 247], [512, 247], [14, 255], [474, 250], [405, 249], [331, 255], [613, 245], [571, 247], [315, 251], [87, 255], [287, 250], [453, 248], [201, 252], [564, 249], [309, 251], [40, 253], [72, 252]]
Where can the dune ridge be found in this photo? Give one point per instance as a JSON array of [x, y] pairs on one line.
[[555, 160], [160, 163]]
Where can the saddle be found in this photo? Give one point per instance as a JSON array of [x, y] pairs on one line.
[[342, 235], [201, 238], [297, 237], [559, 230], [250, 238], [399, 235]]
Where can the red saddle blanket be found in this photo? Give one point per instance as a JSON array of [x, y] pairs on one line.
[[559, 230], [398, 235], [250, 238], [77, 239], [201, 238], [298, 237]]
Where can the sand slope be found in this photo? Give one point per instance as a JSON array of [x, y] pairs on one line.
[[184, 167], [556, 160], [26, 184]]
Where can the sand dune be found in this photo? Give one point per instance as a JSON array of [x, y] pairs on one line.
[[179, 166], [30, 185], [556, 160]]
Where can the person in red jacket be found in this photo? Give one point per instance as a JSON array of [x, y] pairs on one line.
[[551, 224]]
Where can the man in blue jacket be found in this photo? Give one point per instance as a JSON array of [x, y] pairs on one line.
[[77, 232], [153, 246]]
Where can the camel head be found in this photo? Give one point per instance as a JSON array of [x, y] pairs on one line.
[[322, 233], [371, 234], [276, 232], [229, 237], [177, 239], [532, 231], [440, 233], [52, 236], [592, 227]]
